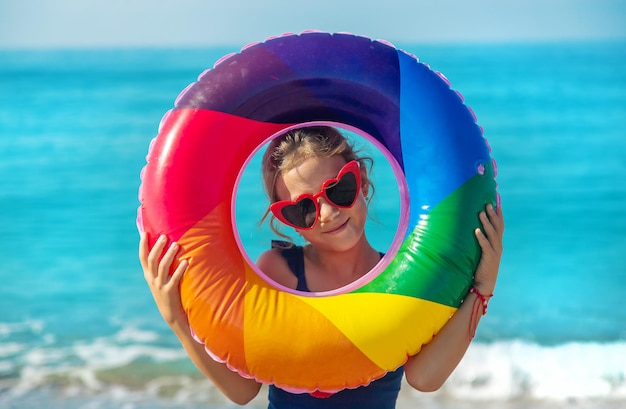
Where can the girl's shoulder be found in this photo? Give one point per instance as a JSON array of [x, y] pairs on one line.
[[274, 265]]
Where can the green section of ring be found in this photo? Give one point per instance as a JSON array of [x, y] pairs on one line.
[[437, 260]]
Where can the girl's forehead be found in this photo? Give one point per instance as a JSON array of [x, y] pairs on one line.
[[309, 175], [316, 168]]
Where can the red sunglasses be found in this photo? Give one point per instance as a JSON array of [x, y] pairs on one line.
[[304, 212]]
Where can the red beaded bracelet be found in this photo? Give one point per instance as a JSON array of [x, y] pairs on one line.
[[482, 298]]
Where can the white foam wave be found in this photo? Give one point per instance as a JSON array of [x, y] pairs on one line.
[[77, 366], [102, 354], [29, 326], [133, 334], [10, 349], [137, 361], [518, 370]]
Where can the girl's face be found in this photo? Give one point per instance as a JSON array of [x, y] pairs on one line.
[[337, 228]]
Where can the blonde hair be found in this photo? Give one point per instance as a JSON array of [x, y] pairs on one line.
[[298, 145]]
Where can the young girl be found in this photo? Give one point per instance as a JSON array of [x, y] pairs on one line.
[[319, 186]]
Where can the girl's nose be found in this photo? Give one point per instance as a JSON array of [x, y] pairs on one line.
[[327, 210]]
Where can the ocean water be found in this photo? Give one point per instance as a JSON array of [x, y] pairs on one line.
[[78, 327]]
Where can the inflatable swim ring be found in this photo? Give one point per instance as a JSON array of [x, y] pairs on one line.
[[349, 337]]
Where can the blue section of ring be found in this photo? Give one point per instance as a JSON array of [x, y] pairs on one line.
[[441, 143]]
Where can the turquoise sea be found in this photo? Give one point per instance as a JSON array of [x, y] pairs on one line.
[[78, 327]]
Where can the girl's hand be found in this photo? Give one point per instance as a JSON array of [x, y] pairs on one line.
[[166, 295], [491, 244], [164, 288]]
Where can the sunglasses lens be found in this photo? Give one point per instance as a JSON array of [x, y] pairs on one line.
[[344, 191], [300, 214]]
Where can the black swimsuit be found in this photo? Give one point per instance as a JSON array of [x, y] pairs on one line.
[[294, 256], [295, 260]]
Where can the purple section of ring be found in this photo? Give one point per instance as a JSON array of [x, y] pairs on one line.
[[315, 77]]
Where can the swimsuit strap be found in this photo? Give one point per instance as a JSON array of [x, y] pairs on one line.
[[295, 260], [294, 256]]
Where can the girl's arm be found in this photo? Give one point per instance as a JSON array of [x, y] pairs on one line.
[[430, 368], [164, 289]]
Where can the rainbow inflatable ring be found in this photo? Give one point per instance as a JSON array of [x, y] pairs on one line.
[[349, 337]]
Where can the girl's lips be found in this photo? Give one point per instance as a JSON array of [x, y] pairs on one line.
[[339, 228]]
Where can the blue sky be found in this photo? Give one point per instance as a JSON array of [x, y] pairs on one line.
[[114, 23]]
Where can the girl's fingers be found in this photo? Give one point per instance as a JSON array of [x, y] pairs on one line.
[[482, 240], [166, 262], [155, 263], [492, 222], [490, 236], [143, 250], [178, 273], [490, 230], [155, 254], [495, 217]]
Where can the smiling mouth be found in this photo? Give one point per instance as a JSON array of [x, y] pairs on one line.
[[338, 228]]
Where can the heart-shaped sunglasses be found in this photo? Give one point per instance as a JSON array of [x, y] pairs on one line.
[[304, 212]]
